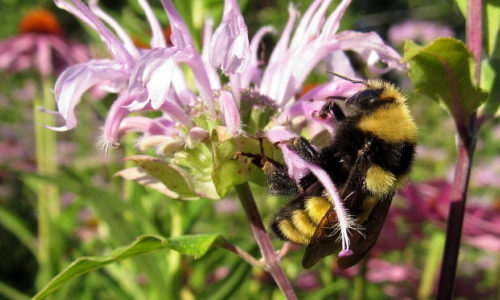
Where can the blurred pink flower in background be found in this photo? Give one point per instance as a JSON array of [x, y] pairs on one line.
[[429, 201], [421, 31], [40, 45]]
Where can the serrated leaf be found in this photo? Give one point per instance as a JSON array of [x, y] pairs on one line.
[[195, 245], [441, 70]]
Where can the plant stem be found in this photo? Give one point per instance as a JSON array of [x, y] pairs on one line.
[[466, 146], [270, 256], [432, 263], [455, 220], [48, 199], [173, 257], [360, 280]]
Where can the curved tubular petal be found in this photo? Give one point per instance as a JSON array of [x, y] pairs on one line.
[[205, 55], [282, 44], [230, 112], [229, 46], [114, 46], [372, 48], [116, 114], [252, 72], [157, 39], [76, 79], [181, 39], [124, 37]]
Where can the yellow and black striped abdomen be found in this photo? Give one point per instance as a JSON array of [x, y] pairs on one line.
[[297, 220]]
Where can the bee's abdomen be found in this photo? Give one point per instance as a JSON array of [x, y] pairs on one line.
[[297, 220]]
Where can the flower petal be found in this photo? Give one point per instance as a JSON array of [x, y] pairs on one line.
[[371, 48], [114, 46], [75, 80], [252, 73], [230, 112], [124, 37], [157, 38], [229, 47]]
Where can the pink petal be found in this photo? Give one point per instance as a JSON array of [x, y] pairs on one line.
[[229, 47], [372, 48], [75, 80], [157, 39], [211, 71], [230, 112], [181, 39], [124, 37], [114, 46], [252, 72], [282, 45], [115, 116]]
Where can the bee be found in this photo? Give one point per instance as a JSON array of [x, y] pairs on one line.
[[368, 160]]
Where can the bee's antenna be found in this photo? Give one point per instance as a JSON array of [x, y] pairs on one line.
[[348, 79]]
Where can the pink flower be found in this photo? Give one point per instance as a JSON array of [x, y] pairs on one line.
[[422, 31], [430, 201], [40, 45], [151, 79]]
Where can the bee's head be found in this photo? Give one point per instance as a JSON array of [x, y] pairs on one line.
[[377, 94]]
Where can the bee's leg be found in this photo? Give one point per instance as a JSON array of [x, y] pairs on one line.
[[303, 148], [276, 173], [331, 107]]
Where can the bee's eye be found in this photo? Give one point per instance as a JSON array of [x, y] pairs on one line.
[[365, 98]]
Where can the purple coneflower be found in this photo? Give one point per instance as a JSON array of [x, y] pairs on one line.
[[152, 79], [40, 45]]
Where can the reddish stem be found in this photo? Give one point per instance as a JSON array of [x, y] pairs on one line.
[[271, 258], [455, 220], [466, 146]]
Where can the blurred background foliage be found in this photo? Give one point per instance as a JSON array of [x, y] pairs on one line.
[[100, 212]]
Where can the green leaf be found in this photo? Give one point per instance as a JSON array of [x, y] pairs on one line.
[[442, 70], [172, 177], [492, 31], [17, 227], [11, 293], [195, 245]]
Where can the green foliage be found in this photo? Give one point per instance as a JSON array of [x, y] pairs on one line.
[[443, 71], [196, 246], [171, 176]]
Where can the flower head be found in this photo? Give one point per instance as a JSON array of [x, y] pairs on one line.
[[152, 79], [40, 45]]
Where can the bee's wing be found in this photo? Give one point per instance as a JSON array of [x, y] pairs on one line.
[[362, 243], [325, 240]]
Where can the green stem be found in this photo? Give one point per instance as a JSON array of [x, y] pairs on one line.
[[360, 281], [48, 194], [174, 257], [431, 268]]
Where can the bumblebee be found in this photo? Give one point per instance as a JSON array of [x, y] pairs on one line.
[[368, 159]]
